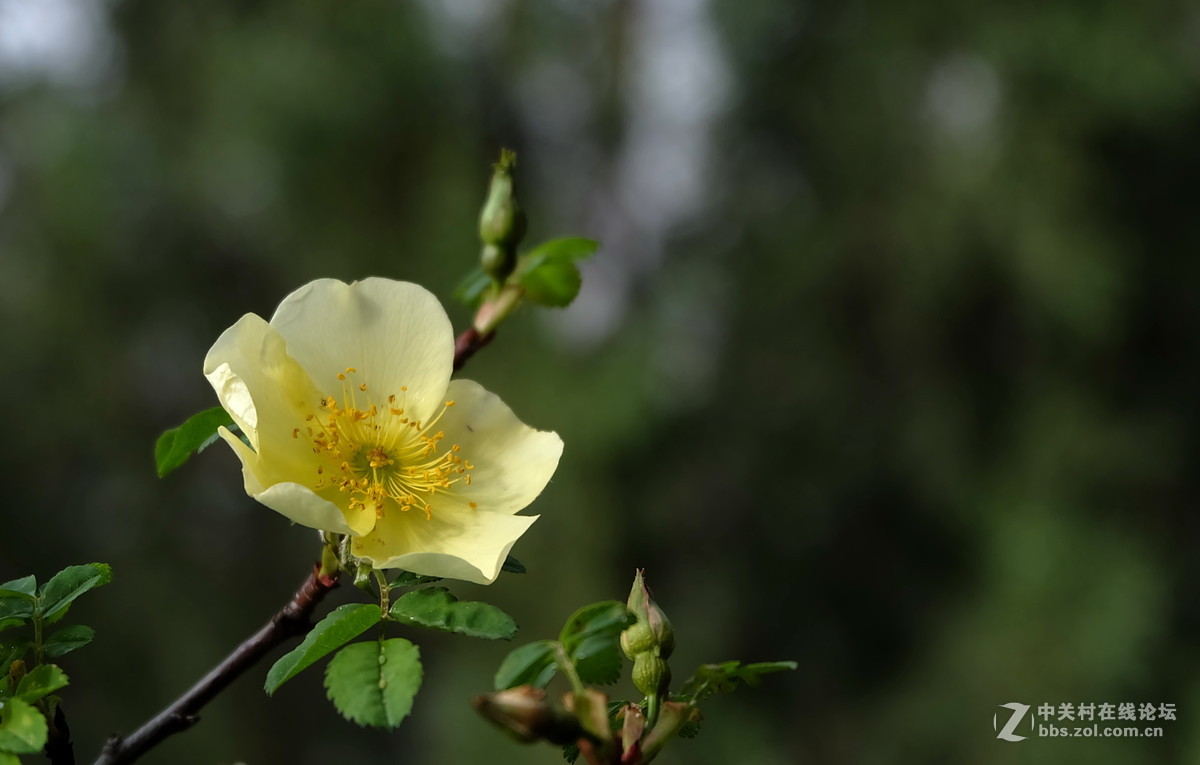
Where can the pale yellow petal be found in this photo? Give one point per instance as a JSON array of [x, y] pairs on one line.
[[455, 544], [392, 333], [266, 392], [512, 461], [293, 501]]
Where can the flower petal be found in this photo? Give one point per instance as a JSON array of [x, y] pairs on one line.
[[268, 395], [266, 392], [393, 333], [470, 545], [293, 500], [513, 462]]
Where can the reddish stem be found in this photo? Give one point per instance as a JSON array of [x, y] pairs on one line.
[[466, 344]]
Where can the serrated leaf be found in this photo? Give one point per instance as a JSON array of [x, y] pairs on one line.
[[26, 585], [17, 598], [409, 579], [472, 286], [598, 659], [374, 683], [711, 679], [70, 583], [58, 615], [513, 566], [15, 608], [68, 639], [339, 627], [531, 664], [22, 727], [570, 752], [197, 432], [40, 682], [607, 617], [437, 608]]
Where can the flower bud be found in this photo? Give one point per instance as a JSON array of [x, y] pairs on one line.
[[651, 675], [653, 631], [501, 221], [524, 714]]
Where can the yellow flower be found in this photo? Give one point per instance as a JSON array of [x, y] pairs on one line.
[[355, 427]]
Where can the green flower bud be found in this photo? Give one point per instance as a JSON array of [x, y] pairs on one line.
[[651, 675], [651, 620], [637, 639], [502, 221], [498, 261]]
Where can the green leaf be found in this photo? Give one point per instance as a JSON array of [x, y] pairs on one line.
[[70, 583], [9, 759], [567, 250], [17, 598], [570, 753], [598, 659], [554, 285], [531, 664], [67, 639], [58, 615], [339, 627], [9, 623], [607, 617], [22, 728], [176, 445], [472, 286], [513, 566], [374, 683], [41, 682], [25, 585], [14, 605], [12, 652], [591, 639], [409, 579], [711, 679], [548, 274], [436, 608]]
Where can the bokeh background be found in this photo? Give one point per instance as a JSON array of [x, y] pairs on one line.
[[888, 364]]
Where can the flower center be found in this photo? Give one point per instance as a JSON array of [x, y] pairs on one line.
[[377, 454]]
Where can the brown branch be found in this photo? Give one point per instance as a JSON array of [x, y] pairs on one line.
[[293, 620], [466, 344]]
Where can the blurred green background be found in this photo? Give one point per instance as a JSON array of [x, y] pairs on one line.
[[887, 364]]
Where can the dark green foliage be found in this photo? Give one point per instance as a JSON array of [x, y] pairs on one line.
[[176, 445], [339, 627], [437, 608], [374, 683], [711, 679], [531, 664]]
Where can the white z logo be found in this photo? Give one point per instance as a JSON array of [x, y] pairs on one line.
[[1018, 714]]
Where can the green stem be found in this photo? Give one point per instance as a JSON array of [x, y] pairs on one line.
[[385, 594], [652, 707], [568, 668], [38, 649], [497, 310]]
